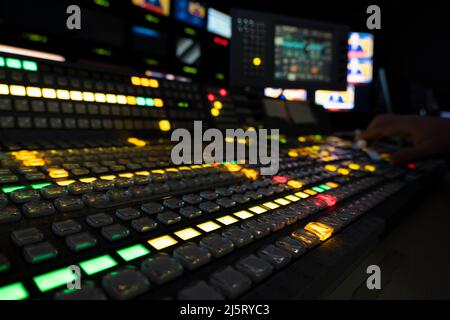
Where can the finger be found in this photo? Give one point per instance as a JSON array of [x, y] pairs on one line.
[[411, 154]]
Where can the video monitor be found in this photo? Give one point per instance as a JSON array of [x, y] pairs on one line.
[[190, 12], [161, 7], [285, 52], [219, 23], [360, 58], [286, 94], [188, 51], [336, 100]]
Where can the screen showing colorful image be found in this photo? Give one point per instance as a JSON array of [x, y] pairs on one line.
[[161, 7], [359, 71], [336, 100], [219, 23], [191, 12], [302, 54], [360, 45], [286, 94]]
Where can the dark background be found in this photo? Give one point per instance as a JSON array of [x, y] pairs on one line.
[[411, 45]]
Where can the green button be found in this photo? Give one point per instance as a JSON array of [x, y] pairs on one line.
[[324, 187], [140, 101], [13, 63], [133, 252], [38, 186], [2, 62], [318, 189], [11, 189], [15, 291], [54, 279], [149, 102], [29, 65], [98, 264]]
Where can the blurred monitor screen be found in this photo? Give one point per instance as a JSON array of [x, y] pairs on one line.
[[161, 7], [336, 100], [190, 12], [219, 23], [286, 94], [360, 58]]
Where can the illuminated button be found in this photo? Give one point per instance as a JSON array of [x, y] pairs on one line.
[[217, 105], [4, 89], [295, 184], [63, 94], [88, 96], [109, 177], [301, 195], [158, 103], [257, 209], [137, 142], [76, 95], [140, 101], [100, 97], [292, 198], [257, 61], [208, 226], [332, 184], [142, 173], [149, 102], [29, 65], [271, 205], [88, 180], [293, 153], [154, 83], [99, 264], [133, 252], [227, 220], [343, 171], [54, 279], [58, 173], [215, 112], [164, 125], [324, 187], [328, 199], [279, 179], [318, 189], [354, 166], [330, 167], [64, 183], [243, 214], [321, 230], [370, 168], [136, 81], [310, 192], [14, 291], [131, 100], [187, 233], [34, 92], [282, 201], [17, 90], [121, 99], [13, 63], [162, 242], [145, 82], [38, 186]]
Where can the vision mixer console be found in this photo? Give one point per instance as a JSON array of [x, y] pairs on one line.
[[88, 192]]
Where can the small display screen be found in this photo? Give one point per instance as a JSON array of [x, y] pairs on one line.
[[286, 94], [161, 7], [149, 41], [191, 12], [188, 51], [360, 58], [302, 54], [336, 100], [219, 23]]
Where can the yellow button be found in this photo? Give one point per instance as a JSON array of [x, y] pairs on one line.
[[243, 214], [65, 182], [227, 220], [295, 184], [321, 230], [292, 198], [271, 205], [302, 195], [257, 61], [164, 125], [282, 201], [187, 233], [310, 192], [162, 242], [208, 226], [257, 209]]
